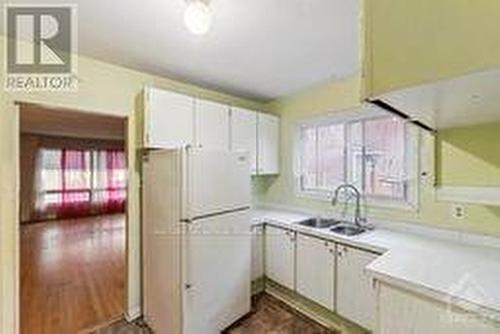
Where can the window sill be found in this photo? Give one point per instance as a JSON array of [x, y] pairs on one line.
[[373, 203]]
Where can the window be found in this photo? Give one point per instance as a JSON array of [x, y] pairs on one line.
[[376, 153], [73, 183]]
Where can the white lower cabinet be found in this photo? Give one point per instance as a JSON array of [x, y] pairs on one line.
[[257, 252], [330, 274], [356, 297], [403, 312], [334, 276], [280, 256], [316, 270]]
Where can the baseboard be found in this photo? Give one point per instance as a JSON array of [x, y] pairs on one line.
[[102, 326], [258, 286], [312, 310], [133, 313]]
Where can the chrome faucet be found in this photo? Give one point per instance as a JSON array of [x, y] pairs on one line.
[[358, 220]]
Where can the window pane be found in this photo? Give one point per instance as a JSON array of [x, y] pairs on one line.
[[369, 153], [49, 166], [331, 155], [50, 199], [355, 154], [308, 158], [385, 167]]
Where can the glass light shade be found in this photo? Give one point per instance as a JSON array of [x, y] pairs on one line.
[[198, 17]]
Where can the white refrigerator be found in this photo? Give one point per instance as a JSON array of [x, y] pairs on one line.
[[196, 240]]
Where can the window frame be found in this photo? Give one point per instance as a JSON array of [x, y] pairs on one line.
[[412, 142]]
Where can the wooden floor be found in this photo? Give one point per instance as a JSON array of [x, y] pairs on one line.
[[72, 274]]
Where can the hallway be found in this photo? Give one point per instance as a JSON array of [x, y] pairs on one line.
[[72, 274]]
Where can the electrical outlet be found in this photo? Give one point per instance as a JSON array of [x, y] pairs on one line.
[[458, 211]]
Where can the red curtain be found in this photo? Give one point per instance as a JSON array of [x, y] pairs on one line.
[[75, 183], [75, 195], [115, 197]]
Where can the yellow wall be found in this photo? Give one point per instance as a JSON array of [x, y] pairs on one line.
[[103, 88], [469, 156], [412, 42], [346, 94]]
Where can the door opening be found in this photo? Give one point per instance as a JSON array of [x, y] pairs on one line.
[[73, 197]]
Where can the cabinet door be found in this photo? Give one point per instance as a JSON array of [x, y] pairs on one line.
[[316, 270], [404, 312], [355, 291], [280, 256], [257, 252], [212, 125], [244, 133], [169, 119], [268, 144]]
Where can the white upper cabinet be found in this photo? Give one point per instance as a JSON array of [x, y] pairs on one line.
[[316, 270], [174, 120], [169, 119], [212, 125], [356, 299], [465, 100], [244, 133], [268, 144]]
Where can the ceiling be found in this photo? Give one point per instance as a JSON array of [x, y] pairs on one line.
[[259, 49], [461, 101], [36, 119]]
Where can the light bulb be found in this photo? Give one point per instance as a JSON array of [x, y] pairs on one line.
[[198, 17]]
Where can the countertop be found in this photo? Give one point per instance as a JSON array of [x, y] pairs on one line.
[[450, 271]]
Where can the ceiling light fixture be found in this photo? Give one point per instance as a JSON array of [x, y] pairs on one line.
[[198, 17]]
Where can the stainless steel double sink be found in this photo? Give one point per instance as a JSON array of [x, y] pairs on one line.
[[335, 226]]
